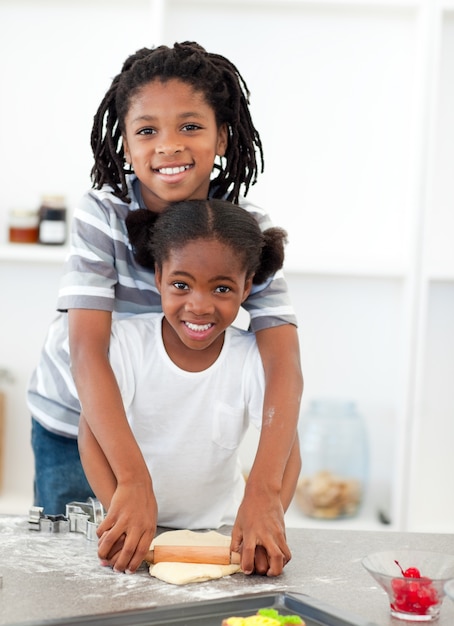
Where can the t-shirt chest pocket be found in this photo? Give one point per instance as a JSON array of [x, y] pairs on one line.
[[229, 425]]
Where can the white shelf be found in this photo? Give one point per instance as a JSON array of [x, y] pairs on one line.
[[346, 270], [20, 252], [389, 4], [366, 519], [440, 276], [35, 253]]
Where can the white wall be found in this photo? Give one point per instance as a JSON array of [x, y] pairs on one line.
[[333, 95], [336, 108], [57, 59]]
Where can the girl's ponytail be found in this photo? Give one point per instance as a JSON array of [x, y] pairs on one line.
[[272, 257], [140, 224]]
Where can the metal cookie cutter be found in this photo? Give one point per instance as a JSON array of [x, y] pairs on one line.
[[47, 523], [81, 517], [85, 517]]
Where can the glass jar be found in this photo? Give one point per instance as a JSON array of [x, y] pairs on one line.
[[334, 454], [52, 220], [23, 226]]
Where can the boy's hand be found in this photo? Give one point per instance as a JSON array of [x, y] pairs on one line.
[[128, 529], [259, 534]]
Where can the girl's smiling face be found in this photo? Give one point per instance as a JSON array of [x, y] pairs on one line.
[[171, 139], [202, 286]]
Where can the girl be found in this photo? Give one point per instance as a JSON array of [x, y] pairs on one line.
[[174, 125], [210, 382]]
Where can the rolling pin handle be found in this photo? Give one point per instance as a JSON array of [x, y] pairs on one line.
[[235, 558]]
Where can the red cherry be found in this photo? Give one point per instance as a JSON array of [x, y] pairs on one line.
[[411, 572], [413, 596]]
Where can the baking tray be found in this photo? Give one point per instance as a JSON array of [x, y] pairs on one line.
[[212, 612]]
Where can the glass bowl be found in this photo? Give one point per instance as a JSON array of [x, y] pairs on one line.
[[416, 596], [449, 589]]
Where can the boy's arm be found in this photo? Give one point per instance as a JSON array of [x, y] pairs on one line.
[[260, 519], [291, 474], [132, 512]]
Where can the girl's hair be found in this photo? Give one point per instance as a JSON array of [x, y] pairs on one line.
[[224, 90], [155, 235]]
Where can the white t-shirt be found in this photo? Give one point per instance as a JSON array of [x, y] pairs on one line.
[[189, 424]]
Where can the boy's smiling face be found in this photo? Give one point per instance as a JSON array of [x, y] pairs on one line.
[[202, 286], [171, 140]]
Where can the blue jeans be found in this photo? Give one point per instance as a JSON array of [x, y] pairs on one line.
[[59, 476]]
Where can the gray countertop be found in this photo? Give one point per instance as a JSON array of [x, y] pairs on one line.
[[57, 576]]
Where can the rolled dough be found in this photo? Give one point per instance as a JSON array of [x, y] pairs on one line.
[[184, 573]]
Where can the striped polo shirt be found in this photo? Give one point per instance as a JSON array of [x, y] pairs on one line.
[[101, 273]]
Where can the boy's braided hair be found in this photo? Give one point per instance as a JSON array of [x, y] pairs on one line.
[[224, 90]]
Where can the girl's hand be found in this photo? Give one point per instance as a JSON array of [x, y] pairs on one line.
[[126, 533], [259, 534]]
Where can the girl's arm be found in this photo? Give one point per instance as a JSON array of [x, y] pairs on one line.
[[96, 467], [132, 512], [102, 480], [269, 489]]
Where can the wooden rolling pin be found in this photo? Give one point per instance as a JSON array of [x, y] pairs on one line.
[[215, 555]]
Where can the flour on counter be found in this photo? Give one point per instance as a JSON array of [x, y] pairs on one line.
[[73, 558], [69, 554]]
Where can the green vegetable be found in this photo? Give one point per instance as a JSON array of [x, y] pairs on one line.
[[283, 619]]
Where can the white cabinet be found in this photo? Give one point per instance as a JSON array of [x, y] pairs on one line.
[[29, 276], [354, 101], [429, 497]]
